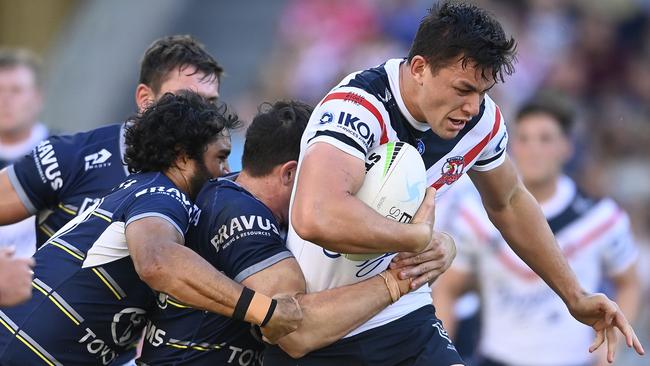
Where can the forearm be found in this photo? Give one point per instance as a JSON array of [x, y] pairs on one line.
[[189, 278], [523, 225], [344, 224], [329, 315]]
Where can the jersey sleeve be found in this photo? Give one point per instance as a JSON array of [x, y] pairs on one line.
[[41, 177], [620, 252], [243, 242], [350, 119], [494, 153], [162, 204]]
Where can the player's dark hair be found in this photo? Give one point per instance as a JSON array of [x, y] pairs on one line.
[[273, 137], [173, 52], [454, 30], [181, 123], [13, 57], [552, 104]]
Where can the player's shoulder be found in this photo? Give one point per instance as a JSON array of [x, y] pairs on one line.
[[226, 199], [81, 140], [154, 185], [604, 210], [364, 89]]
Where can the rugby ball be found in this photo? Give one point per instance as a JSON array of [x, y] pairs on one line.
[[394, 185]]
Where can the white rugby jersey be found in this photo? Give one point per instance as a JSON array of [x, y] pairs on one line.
[[366, 110], [523, 320]]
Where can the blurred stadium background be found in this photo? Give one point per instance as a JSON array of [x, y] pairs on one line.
[[596, 52]]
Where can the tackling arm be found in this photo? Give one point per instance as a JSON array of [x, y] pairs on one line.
[[361, 302], [167, 266]]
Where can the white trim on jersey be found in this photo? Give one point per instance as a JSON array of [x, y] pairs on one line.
[[392, 70]]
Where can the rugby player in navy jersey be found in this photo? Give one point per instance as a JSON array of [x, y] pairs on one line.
[[435, 99], [240, 233], [93, 280], [66, 174]]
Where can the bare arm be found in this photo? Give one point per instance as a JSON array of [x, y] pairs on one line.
[[514, 211], [167, 266], [325, 210], [12, 208], [15, 278], [449, 287], [360, 301]]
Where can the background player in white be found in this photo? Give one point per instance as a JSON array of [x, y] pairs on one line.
[[436, 100], [522, 322]]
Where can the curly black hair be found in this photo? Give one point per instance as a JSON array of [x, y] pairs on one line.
[[453, 30], [169, 53], [273, 137], [181, 123]]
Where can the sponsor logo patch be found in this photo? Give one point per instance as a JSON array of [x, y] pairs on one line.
[[452, 169], [97, 160]]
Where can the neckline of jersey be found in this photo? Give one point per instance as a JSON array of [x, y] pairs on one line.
[[392, 70], [564, 192]]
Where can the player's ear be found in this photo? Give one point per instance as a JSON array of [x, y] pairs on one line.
[[417, 67], [288, 172], [144, 97]]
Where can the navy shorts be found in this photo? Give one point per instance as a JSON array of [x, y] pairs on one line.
[[416, 339]]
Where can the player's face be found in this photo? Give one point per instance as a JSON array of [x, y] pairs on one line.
[[216, 156], [182, 78], [20, 99], [539, 148], [451, 96]]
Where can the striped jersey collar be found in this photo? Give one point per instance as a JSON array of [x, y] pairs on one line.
[[392, 70], [565, 191]]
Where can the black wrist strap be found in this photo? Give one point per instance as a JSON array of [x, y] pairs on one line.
[[269, 314], [243, 303]]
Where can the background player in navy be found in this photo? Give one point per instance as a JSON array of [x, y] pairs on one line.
[[66, 174], [523, 323], [92, 280], [240, 233], [436, 100]]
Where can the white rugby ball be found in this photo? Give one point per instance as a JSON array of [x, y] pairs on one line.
[[394, 186]]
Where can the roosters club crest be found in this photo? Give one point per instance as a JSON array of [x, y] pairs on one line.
[[453, 169]]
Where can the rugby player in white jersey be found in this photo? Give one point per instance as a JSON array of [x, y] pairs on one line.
[[523, 323], [435, 100]]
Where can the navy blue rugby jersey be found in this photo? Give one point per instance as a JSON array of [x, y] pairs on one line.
[[240, 236], [64, 175], [89, 304]]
